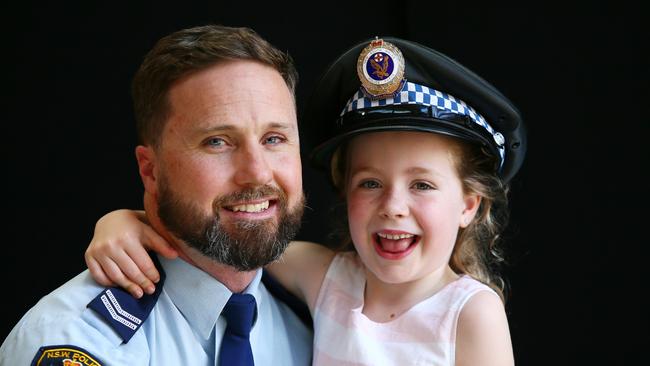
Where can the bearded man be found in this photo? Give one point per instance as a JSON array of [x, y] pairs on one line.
[[220, 162]]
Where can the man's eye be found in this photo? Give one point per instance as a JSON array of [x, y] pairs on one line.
[[370, 184], [274, 140], [422, 186], [216, 141]]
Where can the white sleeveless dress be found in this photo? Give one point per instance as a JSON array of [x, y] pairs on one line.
[[424, 335]]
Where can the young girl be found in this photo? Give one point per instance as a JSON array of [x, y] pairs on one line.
[[425, 197]]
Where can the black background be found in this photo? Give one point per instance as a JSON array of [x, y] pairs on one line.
[[579, 75]]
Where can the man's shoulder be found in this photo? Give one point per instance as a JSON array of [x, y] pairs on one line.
[[66, 302], [61, 326]]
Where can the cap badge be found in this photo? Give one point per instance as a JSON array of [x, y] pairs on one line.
[[380, 68]]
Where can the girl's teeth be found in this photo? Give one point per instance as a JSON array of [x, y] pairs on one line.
[[395, 236]]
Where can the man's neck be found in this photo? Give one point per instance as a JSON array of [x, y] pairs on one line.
[[235, 280]]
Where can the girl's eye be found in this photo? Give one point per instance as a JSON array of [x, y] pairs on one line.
[[369, 184], [422, 186]]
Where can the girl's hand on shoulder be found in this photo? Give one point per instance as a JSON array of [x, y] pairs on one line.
[[117, 254]]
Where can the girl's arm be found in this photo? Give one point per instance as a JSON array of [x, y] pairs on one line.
[[482, 336], [302, 268], [117, 254]]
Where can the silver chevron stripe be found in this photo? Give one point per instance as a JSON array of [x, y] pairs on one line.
[[119, 309], [114, 315]]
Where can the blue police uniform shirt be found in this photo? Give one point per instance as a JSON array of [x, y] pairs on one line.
[[183, 327]]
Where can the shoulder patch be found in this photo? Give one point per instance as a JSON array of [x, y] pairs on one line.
[[64, 355], [124, 313]]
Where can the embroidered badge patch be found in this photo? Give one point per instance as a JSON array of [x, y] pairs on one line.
[[64, 355]]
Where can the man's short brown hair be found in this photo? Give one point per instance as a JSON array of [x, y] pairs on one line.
[[190, 50]]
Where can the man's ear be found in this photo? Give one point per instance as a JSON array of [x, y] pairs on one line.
[[472, 203], [147, 166]]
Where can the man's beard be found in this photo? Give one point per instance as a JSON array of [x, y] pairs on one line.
[[244, 244]]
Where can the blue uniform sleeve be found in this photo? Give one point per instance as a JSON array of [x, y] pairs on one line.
[[61, 327]]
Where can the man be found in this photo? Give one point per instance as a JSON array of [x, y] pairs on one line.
[[220, 163]]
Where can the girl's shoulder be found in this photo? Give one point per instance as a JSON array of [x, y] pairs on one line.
[[483, 332], [456, 294], [346, 265], [469, 284]]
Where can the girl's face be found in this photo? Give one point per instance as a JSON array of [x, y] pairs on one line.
[[405, 203]]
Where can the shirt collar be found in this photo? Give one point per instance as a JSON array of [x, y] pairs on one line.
[[199, 296]]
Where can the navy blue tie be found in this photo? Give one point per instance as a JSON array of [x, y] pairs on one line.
[[240, 313]]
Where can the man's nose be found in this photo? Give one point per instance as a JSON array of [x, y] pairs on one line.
[[252, 168]]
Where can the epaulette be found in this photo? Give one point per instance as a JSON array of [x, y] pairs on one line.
[[124, 313]]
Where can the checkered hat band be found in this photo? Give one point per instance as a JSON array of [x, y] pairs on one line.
[[422, 95]]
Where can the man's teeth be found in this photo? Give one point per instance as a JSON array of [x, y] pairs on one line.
[[256, 207], [396, 236]]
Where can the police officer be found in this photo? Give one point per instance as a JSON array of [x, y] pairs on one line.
[[219, 159]]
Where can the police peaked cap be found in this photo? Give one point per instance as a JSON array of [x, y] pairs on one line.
[[434, 94]]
